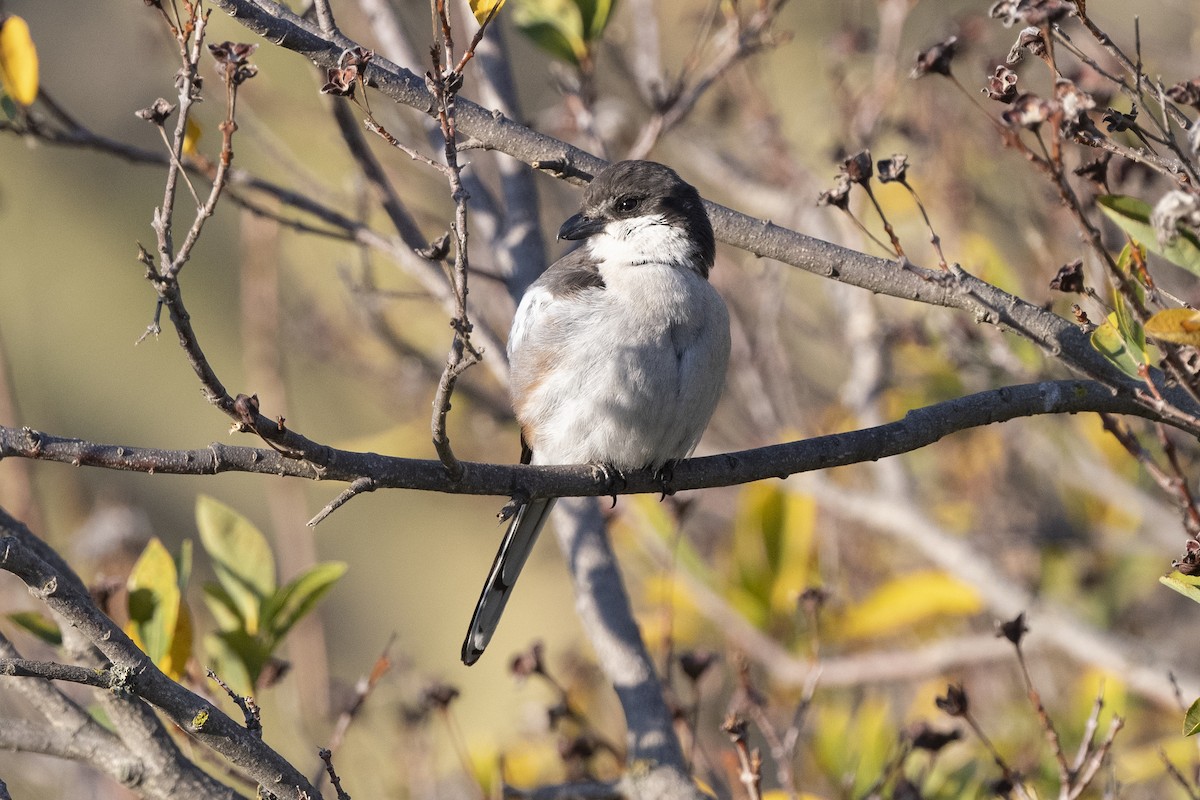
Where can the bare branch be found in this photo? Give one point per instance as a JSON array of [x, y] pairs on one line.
[[919, 428], [48, 577]]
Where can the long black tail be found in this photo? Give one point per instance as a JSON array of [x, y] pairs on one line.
[[518, 541]]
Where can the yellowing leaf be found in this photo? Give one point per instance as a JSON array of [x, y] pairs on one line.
[[1106, 339], [1186, 585], [1176, 325], [556, 26], [18, 61], [191, 134], [485, 9], [158, 620], [908, 600]]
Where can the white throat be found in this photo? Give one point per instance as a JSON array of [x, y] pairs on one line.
[[643, 240]]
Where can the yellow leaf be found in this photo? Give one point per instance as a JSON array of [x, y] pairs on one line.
[[159, 622], [18, 61], [191, 135], [908, 600], [485, 9], [1176, 325]]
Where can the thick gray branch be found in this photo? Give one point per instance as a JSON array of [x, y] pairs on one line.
[[52, 581], [919, 428]]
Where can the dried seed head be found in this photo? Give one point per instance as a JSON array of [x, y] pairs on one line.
[[1014, 629], [157, 112], [1186, 93], [893, 169], [528, 662], [1028, 111], [1002, 86], [924, 737], [1069, 278], [954, 702], [935, 59], [695, 663]]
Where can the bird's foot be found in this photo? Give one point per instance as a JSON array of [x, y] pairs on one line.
[[665, 475], [613, 478]]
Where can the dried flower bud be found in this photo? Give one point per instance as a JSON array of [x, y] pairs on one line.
[[356, 57], [935, 59], [735, 726], [341, 81], [528, 662], [695, 663], [437, 249], [1014, 629], [954, 702], [1002, 86], [924, 737], [893, 169], [232, 61], [858, 168], [1031, 12], [1116, 122], [1069, 278], [838, 196], [1028, 111], [1075, 103], [1186, 93], [157, 112], [1031, 40]]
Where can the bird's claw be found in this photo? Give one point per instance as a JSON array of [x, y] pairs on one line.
[[665, 475], [613, 479]]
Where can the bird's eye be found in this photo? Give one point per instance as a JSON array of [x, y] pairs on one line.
[[627, 203]]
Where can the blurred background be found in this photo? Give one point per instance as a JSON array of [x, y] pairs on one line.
[[1052, 509]]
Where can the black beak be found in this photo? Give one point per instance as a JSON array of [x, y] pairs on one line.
[[580, 227]]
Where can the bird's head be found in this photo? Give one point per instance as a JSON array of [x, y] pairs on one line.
[[641, 212]]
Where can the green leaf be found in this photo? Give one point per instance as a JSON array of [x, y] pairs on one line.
[[1107, 341], [224, 611], [595, 15], [1133, 216], [1186, 585], [39, 625], [1191, 720], [153, 601], [1130, 329], [237, 658], [241, 557], [287, 606], [183, 564], [555, 26]]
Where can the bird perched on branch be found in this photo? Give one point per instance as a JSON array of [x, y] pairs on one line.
[[618, 351]]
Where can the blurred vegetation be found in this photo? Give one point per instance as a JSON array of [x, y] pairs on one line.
[[823, 567]]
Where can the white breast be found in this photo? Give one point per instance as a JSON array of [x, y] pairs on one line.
[[628, 375]]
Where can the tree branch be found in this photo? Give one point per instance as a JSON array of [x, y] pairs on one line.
[[919, 428], [1057, 336], [53, 582]]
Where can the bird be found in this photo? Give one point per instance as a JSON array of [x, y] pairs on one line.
[[617, 351]]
